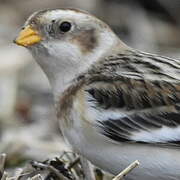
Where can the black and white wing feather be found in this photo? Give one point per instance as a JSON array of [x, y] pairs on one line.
[[136, 98]]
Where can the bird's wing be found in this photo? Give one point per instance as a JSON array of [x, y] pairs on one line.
[[135, 97]]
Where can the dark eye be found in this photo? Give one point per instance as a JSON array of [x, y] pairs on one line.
[[65, 26]]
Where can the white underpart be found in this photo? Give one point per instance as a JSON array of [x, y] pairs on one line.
[[163, 134]]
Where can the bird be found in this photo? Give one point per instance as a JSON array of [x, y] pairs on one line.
[[114, 104]]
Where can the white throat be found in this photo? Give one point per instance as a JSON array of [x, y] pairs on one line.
[[63, 61]]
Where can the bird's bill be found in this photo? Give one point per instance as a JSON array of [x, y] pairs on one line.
[[27, 37]]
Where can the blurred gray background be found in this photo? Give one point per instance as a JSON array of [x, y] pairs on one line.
[[28, 128]]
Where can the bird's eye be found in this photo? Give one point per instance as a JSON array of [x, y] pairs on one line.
[[65, 26]]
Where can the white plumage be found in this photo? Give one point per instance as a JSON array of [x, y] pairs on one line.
[[114, 104]]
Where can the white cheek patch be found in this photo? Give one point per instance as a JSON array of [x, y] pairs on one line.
[[63, 51], [164, 134]]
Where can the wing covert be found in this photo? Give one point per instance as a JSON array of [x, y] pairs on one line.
[[143, 91]]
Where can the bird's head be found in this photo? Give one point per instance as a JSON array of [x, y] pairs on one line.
[[66, 41]]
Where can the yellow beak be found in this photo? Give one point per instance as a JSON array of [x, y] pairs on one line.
[[28, 37]]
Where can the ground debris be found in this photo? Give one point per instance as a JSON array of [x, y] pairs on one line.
[[68, 166]]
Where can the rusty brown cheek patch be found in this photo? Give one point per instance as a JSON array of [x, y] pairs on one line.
[[86, 41]]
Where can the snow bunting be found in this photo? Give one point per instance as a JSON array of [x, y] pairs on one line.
[[114, 104]]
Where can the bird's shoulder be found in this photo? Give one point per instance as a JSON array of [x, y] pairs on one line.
[[135, 80], [138, 65]]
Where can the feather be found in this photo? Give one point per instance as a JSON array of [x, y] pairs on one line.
[[148, 104]]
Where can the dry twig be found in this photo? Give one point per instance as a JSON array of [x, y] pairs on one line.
[[127, 170], [37, 177], [88, 172], [2, 163], [5, 175], [50, 168]]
